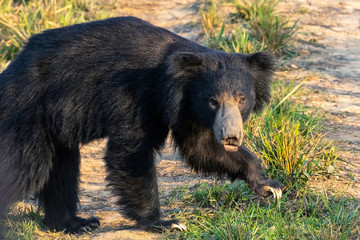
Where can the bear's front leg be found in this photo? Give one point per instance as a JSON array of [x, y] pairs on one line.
[[204, 154], [252, 173], [132, 177]]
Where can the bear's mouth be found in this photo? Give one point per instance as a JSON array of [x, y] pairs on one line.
[[230, 147]]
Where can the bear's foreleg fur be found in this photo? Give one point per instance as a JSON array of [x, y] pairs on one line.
[[202, 153]]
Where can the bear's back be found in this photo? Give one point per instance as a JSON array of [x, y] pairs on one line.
[[70, 73]]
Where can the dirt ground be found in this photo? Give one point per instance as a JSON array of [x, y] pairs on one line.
[[329, 61], [329, 46]]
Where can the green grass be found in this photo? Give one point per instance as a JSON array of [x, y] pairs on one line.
[[240, 214], [265, 24], [255, 26], [20, 20], [23, 223], [290, 139]]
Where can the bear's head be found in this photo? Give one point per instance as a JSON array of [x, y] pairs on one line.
[[218, 91]]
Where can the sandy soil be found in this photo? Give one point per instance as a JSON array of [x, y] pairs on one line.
[[329, 43], [329, 61]]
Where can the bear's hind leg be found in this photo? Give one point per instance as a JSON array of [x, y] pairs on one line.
[[59, 197], [25, 163]]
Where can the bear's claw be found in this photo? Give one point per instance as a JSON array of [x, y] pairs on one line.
[[84, 229], [276, 192], [160, 226], [81, 225], [179, 226], [94, 225]]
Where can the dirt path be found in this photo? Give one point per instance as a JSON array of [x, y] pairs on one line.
[[179, 16], [329, 43]]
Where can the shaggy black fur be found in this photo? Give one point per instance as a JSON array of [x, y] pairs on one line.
[[132, 82]]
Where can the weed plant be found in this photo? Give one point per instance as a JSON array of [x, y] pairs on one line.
[[19, 20], [289, 140], [23, 223], [258, 27]]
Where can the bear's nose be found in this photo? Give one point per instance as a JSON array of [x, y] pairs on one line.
[[232, 141], [231, 136], [230, 133]]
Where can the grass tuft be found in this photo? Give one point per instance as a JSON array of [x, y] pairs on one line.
[[289, 140], [219, 195], [265, 24], [23, 223], [19, 20], [213, 25], [257, 27]]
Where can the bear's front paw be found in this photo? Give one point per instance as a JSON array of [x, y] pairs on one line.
[[275, 191], [161, 225], [82, 225], [270, 187]]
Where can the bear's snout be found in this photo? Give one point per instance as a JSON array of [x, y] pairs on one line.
[[231, 140], [228, 127]]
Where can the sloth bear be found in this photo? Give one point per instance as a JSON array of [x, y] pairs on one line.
[[132, 82]]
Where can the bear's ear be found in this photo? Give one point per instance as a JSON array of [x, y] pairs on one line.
[[183, 64], [262, 67]]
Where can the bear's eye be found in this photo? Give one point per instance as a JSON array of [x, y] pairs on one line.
[[213, 102], [241, 99]]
